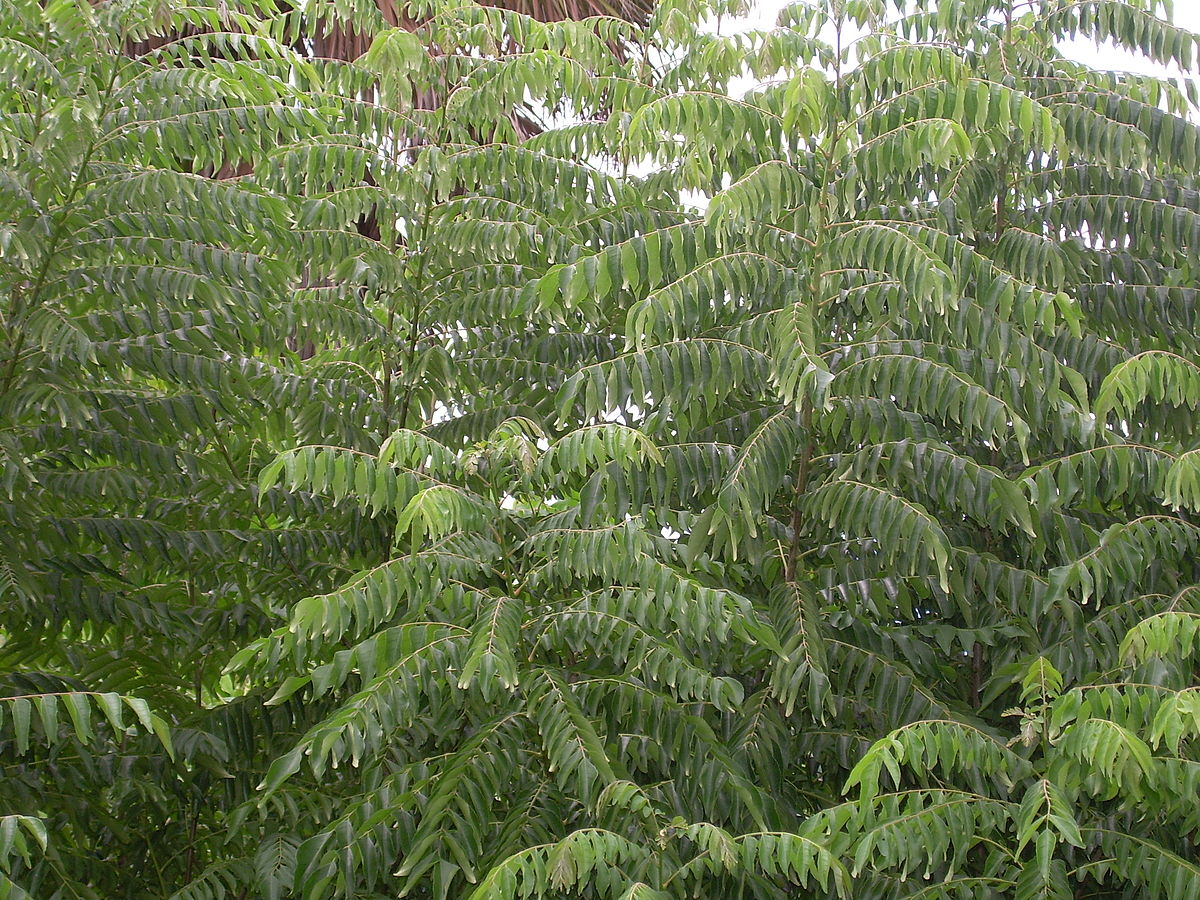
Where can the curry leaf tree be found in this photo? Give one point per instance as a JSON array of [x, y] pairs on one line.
[[518, 461]]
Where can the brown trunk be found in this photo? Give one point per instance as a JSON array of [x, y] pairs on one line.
[[976, 673]]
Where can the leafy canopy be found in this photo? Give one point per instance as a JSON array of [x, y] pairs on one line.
[[405, 497]]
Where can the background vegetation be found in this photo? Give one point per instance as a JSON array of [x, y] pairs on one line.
[[448, 453]]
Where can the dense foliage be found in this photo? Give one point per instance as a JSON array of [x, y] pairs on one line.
[[403, 496]]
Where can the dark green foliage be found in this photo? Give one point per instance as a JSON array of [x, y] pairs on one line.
[[402, 498]]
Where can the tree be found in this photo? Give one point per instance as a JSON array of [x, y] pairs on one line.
[[835, 531]]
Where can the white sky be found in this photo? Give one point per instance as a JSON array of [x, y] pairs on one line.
[[1187, 15]]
